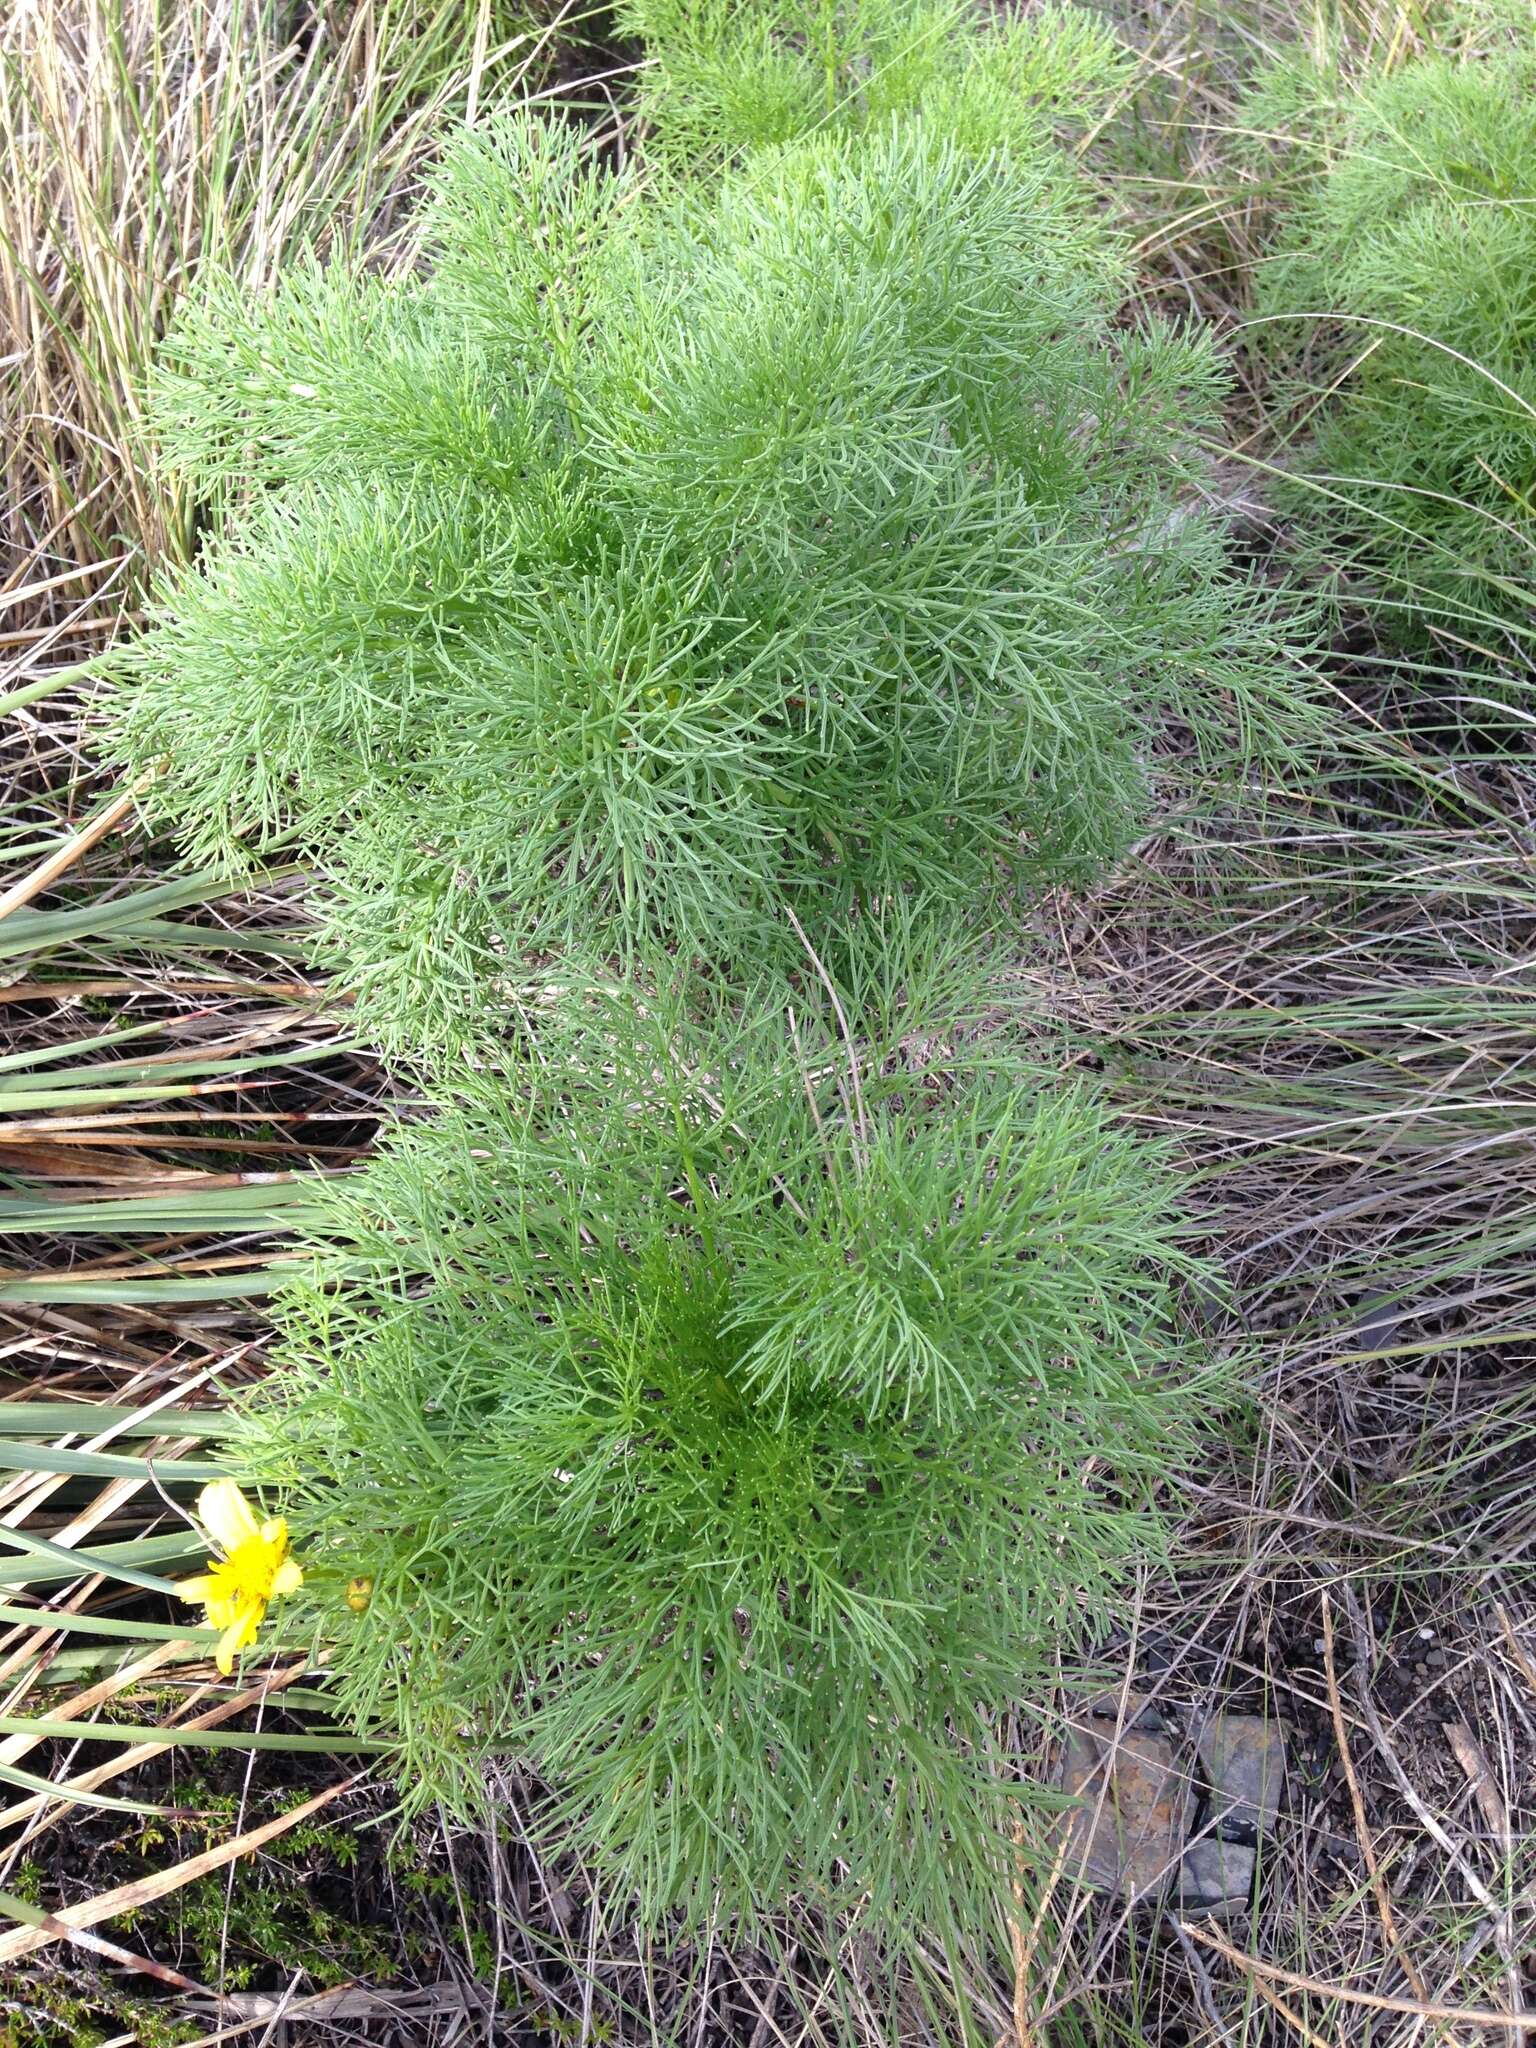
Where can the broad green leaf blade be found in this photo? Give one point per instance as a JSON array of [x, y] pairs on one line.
[[25, 1457], [326, 1744], [44, 1562]]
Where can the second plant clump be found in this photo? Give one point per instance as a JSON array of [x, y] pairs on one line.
[[731, 1424], [682, 548], [1408, 336]]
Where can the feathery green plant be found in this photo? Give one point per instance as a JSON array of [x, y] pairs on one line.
[[680, 548], [722, 79], [1406, 274], [731, 1421]]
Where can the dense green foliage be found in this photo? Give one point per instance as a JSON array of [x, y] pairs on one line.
[[739, 1408], [745, 1380], [722, 79], [683, 548], [1412, 256], [731, 1420]]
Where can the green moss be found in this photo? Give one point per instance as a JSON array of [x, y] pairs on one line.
[[53, 2007], [251, 1926]]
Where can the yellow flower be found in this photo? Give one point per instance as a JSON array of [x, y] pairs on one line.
[[254, 1570]]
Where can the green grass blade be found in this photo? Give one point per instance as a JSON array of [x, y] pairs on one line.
[[120, 1293], [90, 1087], [56, 1418], [269, 1205], [25, 1457], [43, 1562], [104, 1625], [139, 917], [100, 1802], [325, 1744]]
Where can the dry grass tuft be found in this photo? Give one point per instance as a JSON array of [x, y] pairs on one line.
[[1329, 1005], [140, 139], [170, 1064]]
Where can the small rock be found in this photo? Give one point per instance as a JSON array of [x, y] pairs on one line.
[[1125, 1710], [1217, 1876], [1135, 1803], [1378, 1325], [1243, 1756], [1244, 1759]]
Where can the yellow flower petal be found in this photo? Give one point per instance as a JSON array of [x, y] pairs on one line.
[[226, 1514], [201, 1591], [240, 1633], [275, 1533], [286, 1579]]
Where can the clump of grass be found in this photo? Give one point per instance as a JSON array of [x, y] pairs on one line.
[[680, 550], [1404, 274], [140, 141], [728, 1419]]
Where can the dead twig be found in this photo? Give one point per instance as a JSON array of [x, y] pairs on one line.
[[1362, 1831], [1378, 2001]]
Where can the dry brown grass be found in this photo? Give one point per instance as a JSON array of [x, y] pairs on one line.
[[1328, 1005], [140, 139], [169, 1063], [1326, 998], [1201, 185]]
